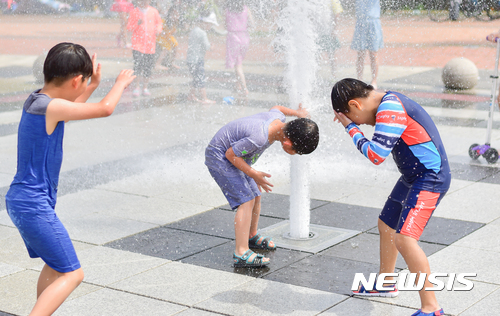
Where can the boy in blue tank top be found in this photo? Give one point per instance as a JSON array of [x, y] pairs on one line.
[[403, 128], [31, 198]]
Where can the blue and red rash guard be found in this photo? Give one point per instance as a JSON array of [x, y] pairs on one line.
[[404, 128]]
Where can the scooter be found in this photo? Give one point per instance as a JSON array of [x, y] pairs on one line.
[[475, 150]]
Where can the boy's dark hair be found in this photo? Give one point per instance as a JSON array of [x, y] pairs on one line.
[[347, 89], [66, 60], [304, 135]]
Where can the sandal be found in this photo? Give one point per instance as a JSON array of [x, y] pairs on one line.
[[263, 244], [243, 261], [436, 313], [393, 292]]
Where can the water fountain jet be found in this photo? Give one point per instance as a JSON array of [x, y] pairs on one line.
[[298, 20]]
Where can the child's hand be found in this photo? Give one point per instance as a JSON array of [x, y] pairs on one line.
[[125, 77], [301, 112], [95, 79], [262, 183], [341, 118]]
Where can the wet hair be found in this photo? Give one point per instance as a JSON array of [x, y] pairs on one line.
[[304, 135], [65, 61], [347, 89]]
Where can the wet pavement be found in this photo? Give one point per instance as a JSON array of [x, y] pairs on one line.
[[152, 229]]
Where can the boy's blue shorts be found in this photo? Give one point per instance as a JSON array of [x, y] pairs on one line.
[[44, 234], [237, 189], [408, 209]]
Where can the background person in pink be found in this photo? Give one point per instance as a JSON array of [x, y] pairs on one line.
[[145, 24], [123, 7], [238, 19]]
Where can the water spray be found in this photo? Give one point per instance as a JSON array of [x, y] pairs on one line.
[[299, 39]]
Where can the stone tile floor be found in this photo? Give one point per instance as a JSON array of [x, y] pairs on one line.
[[207, 240]]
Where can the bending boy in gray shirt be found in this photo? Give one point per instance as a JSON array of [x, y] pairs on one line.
[[229, 158]]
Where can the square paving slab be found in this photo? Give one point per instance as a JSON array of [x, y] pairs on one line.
[[346, 216], [473, 203], [253, 298], [354, 306], [113, 302], [167, 243], [103, 265], [485, 306], [217, 222], [485, 238], [365, 248], [221, 258], [467, 260], [324, 273], [444, 231], [278, 205], [196, 312], [472, 172], [181, 283], [495, 179]]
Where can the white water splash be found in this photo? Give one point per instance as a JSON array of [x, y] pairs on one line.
[[299, 40]]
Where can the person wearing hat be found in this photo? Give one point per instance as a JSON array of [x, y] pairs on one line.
[[198, 44]]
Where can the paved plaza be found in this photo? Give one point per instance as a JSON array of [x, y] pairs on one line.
[[154, 233]]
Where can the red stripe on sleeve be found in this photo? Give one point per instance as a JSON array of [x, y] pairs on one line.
[[376, 159]]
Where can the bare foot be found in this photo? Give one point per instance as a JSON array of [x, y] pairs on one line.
[[175, 66]]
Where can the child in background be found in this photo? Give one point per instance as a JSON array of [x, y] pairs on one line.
[[326, 27], [198, 44], [145, 24], [167, 43], [229, 158], [123, 7], [238, 20], [367, 36], [32, 196], [403, 128]]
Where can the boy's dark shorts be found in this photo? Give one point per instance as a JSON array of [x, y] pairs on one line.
[[408, 209], [143, 63], [197, 70], [237, 189], [43, 233]]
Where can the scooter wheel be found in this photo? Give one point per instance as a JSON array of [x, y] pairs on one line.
[[491, 155], [473, 153]]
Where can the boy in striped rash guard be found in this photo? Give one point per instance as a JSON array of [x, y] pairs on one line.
[[403, 128]]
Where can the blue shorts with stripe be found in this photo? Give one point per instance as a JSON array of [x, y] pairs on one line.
[[409, 208]]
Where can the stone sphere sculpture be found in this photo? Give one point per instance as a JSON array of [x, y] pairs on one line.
[[460, 73], [38, 68]]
